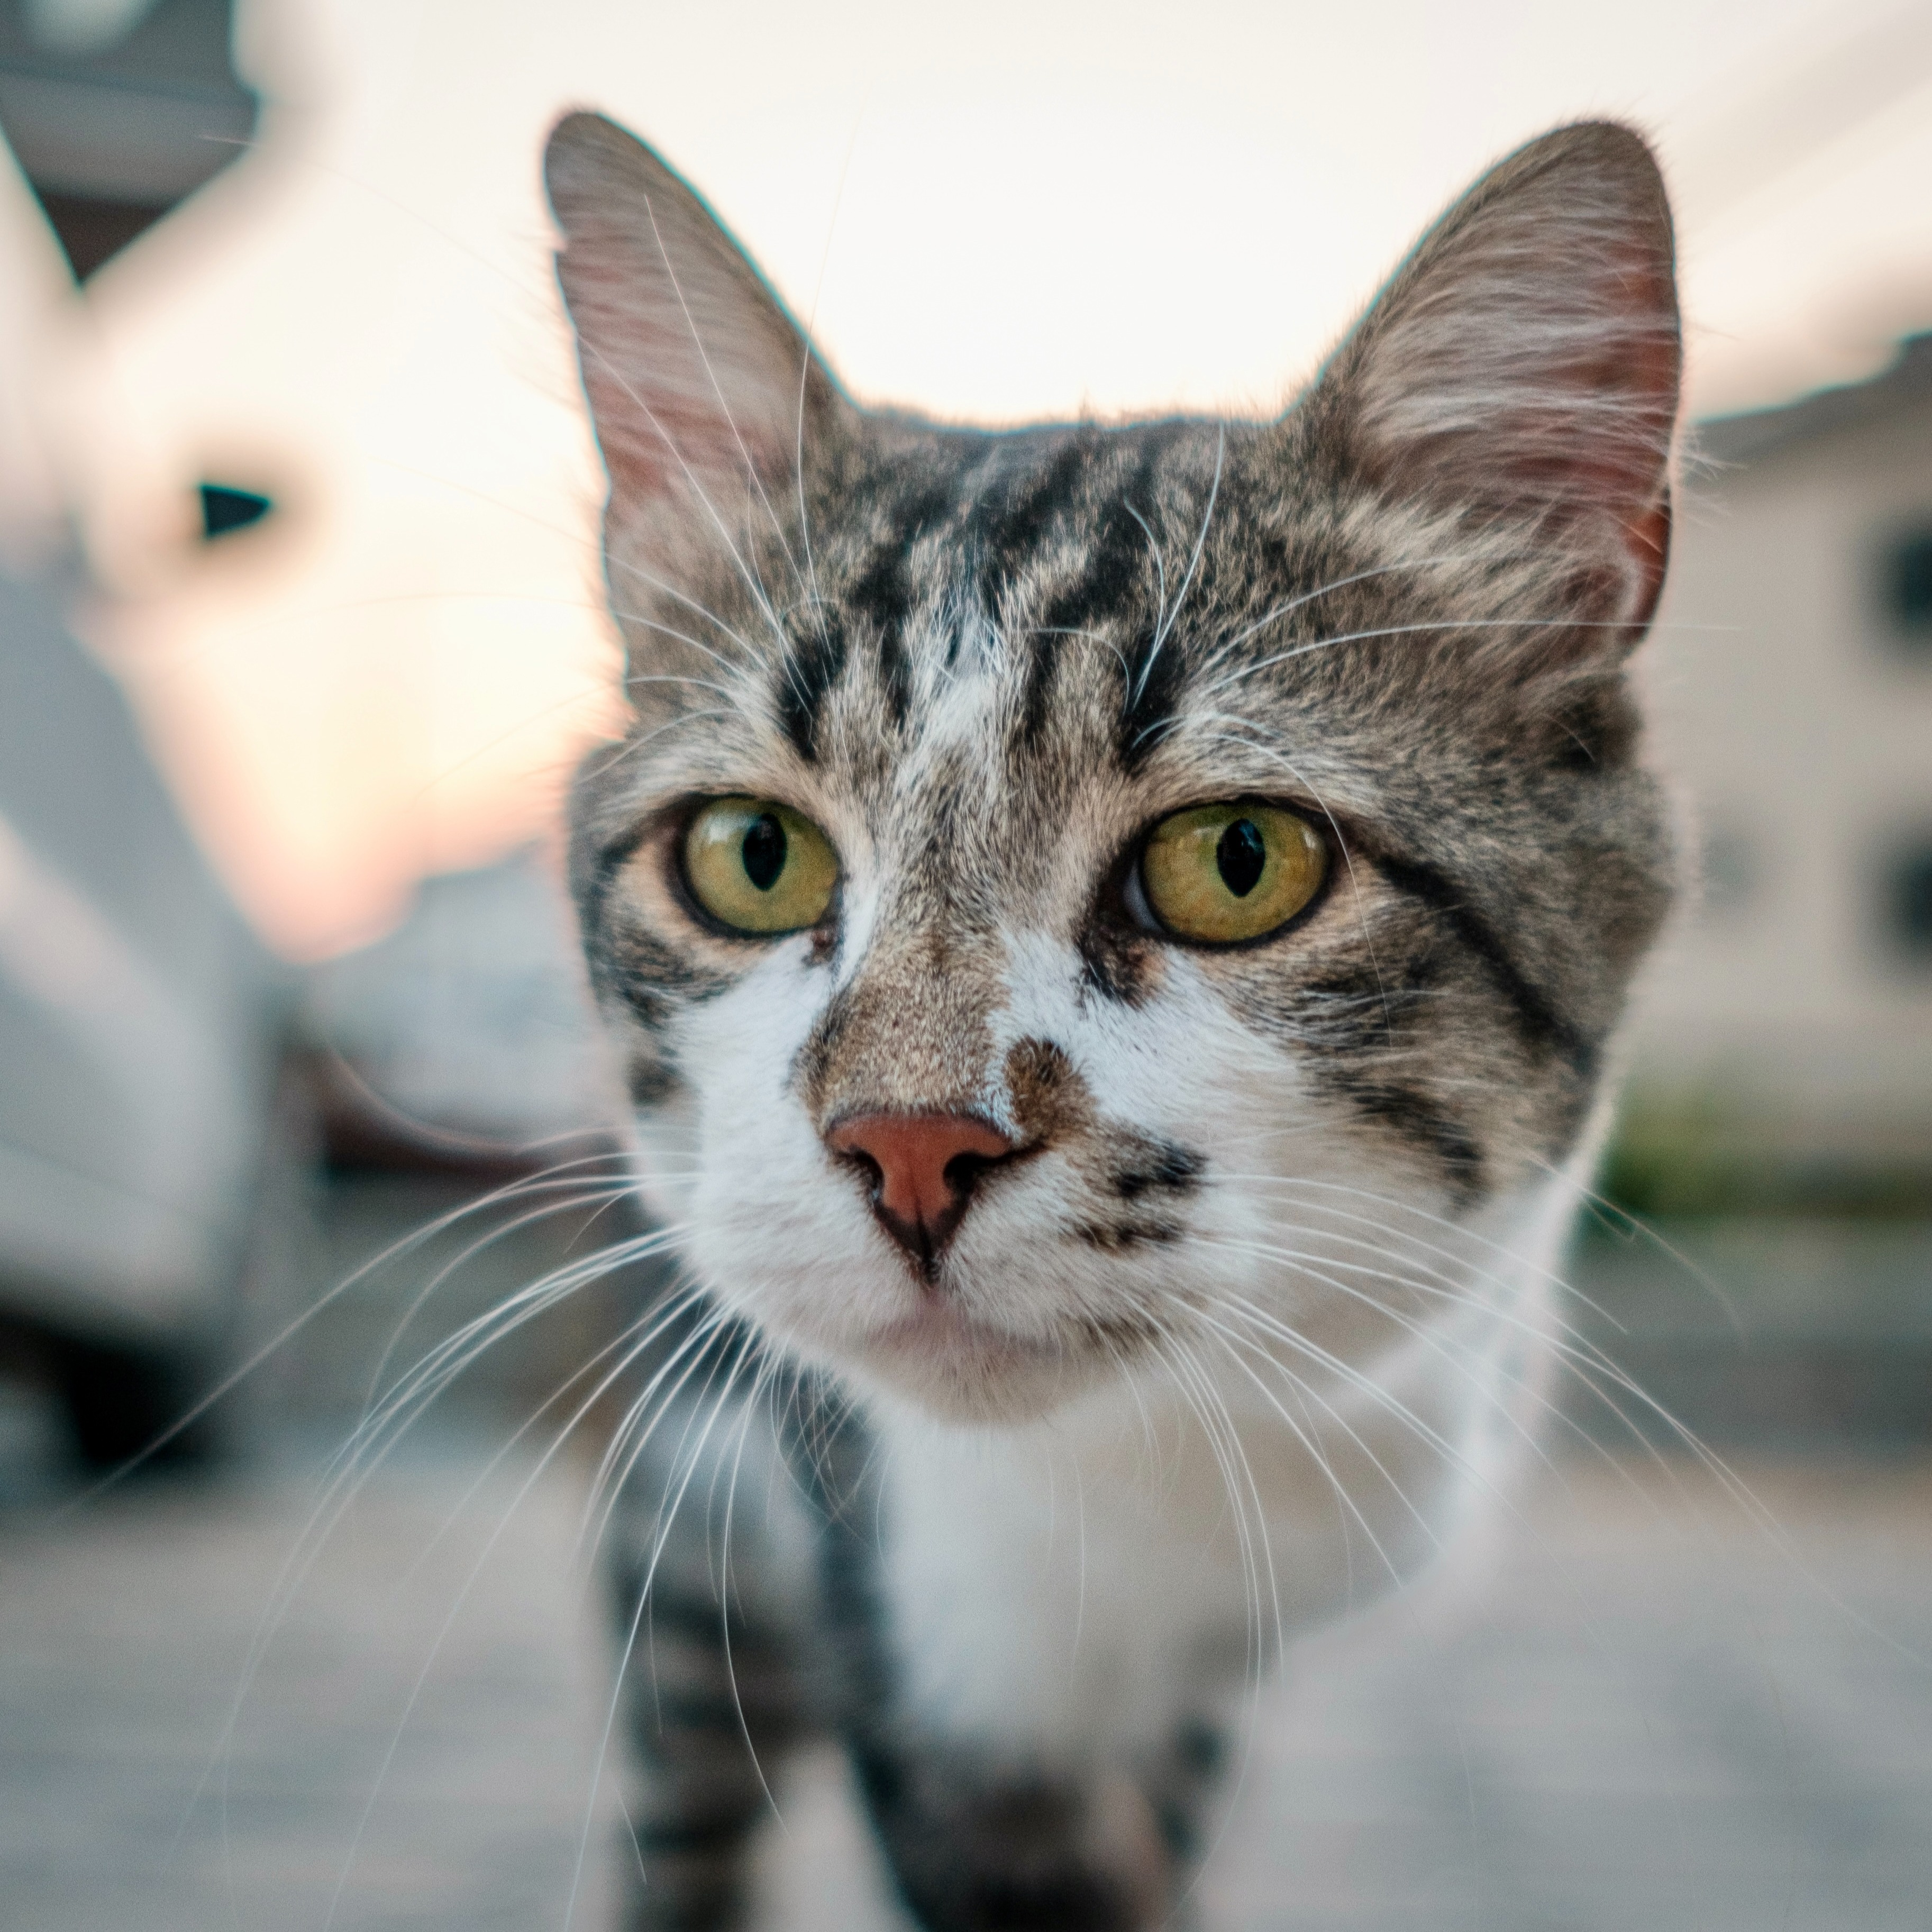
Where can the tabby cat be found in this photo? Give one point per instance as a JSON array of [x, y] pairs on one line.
[[1116, 933]]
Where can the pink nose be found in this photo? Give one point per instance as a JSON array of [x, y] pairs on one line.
[[923, 1168]]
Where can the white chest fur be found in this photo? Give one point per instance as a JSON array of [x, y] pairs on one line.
[[1078, 1586]]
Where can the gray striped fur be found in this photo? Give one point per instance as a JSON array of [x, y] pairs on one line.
[[986, 664]]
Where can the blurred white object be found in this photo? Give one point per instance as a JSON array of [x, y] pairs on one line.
[[141, 1027], [36, 293], [469, 1028]]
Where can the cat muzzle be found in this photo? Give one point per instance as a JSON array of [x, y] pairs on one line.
[[921, 1171]]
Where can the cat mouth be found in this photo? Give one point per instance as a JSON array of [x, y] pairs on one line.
[[937, 1334], [972, 1371]]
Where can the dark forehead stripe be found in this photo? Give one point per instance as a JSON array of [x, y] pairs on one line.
[[1111, 586], [874, 598], [1080, 512], [805, 677], [1156, 677], [885, 591], [1013, 521], [1018, 503], [1112, 580]]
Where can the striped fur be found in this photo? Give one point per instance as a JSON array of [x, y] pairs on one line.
[[1265, 1286]]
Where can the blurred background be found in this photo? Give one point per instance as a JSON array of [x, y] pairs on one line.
[[300, 633]]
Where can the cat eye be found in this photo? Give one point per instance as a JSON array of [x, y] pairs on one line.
[[758, 867], [1220, 874]]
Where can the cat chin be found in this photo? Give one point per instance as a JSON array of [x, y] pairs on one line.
[[962, 1371]]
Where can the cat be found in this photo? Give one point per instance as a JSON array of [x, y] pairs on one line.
[[1116, 936]]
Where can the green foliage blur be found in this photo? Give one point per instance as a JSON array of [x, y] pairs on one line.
[[1695, 1154]]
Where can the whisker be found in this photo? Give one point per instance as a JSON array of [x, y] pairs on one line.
[[349, 1470], [717, 390], [1563, 621], [403, 1245], [462, 1596], [667, 1516], [572, 1196], [760, 1382], [1232, 1341], [1166, 622]]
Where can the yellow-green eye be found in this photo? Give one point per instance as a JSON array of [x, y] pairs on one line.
[[758, 866], [1221, 873]]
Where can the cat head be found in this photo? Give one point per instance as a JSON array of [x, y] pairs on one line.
[[1060, 886]]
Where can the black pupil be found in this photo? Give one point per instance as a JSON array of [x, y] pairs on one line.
[[764, 850], [1242, 855]]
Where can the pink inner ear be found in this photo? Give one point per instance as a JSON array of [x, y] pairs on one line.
[[696, 375], [1624, 398], [1647, 537], [1532, 419], [657, 420], [678, 398], [1525, 360]]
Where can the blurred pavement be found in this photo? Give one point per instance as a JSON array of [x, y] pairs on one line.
[[1640, 1709], [124, 1635]]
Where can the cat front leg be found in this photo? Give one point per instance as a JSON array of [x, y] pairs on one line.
[[710, 1570], [714, 1705], [1035, 1721], [979, 1847]]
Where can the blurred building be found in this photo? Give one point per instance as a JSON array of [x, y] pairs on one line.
[[1793, 678]]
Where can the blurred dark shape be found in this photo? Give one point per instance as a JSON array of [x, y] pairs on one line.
[[113, 136], [1910, 572], [1776, 1331], [1799, 719], [1702, 1155], [153, 1149], [1766, 1280], [225, 509], [1771, 1297], [464, 1041], [1732, 870], [1909, 902]]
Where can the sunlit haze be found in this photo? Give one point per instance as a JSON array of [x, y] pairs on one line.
[[993, 213]]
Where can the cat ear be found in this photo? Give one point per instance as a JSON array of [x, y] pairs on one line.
[[1523, 363], [699, 382]]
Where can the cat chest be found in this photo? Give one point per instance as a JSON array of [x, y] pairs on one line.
[[1082, 1587]]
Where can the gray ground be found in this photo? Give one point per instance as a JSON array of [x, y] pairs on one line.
[[1647, 1705], [1643, 1711]]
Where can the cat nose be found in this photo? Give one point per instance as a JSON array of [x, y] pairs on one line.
[[923, 1168]]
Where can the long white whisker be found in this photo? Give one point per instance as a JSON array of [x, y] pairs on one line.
[[530, 1482], [1168, 616], [760, 1384], [347, 1471], [667, 1518], [749, 577], [1562, 621], [576, 537], [724, 405], [576, 1197]]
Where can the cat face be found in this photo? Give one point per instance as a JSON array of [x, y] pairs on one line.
[[1061, 886]]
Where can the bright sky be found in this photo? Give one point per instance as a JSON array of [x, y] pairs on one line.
[[993, 212]]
